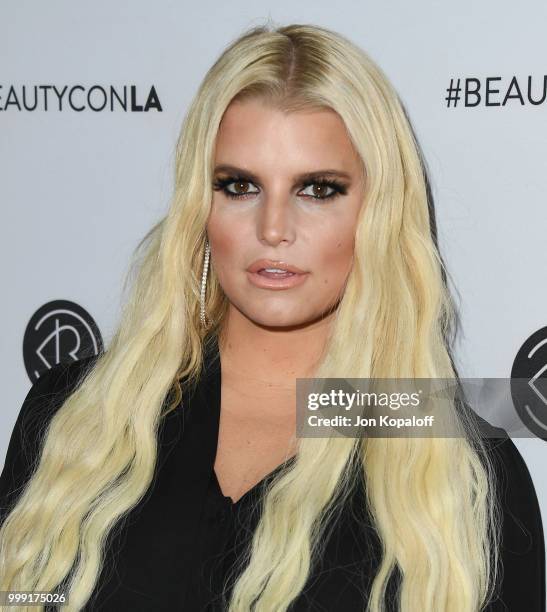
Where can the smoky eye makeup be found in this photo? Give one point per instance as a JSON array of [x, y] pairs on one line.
[[221, 183], [329, 188]]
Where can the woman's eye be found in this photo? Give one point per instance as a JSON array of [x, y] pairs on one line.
[[238, 188], [320, 191]]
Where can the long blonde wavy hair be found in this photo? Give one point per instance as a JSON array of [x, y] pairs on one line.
[[432, 499]]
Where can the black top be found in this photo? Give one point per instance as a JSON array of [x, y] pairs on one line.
[[174, 549]]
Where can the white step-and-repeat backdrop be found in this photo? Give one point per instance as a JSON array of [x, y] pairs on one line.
[[81, 183]]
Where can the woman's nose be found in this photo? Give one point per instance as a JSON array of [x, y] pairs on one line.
[[275, 221]]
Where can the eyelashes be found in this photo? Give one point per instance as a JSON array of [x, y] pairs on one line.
[[336, 188]]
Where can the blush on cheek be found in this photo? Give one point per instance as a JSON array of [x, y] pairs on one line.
[[224, 243], [339, 265]]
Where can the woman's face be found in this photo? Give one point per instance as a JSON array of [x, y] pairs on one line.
[[277, 213]]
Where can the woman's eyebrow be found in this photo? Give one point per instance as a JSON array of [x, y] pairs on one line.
[[306, 176]]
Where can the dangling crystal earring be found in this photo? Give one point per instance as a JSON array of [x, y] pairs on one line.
[[203, 284]]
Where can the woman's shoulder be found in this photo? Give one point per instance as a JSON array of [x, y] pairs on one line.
[[522, 546], [43, 399], [48, 392]]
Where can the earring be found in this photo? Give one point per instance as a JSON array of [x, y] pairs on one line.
[[203, 284]]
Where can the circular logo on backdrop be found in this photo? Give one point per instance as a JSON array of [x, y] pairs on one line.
[[60, 331], [529, 383]]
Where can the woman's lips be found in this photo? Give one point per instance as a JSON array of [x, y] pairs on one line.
[[270, 274], [276, 280]]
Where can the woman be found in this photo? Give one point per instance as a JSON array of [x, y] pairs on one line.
[[169, 475]]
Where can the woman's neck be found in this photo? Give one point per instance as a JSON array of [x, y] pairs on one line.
[[270, 356]]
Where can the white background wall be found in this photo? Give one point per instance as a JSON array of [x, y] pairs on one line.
[[78, 190]]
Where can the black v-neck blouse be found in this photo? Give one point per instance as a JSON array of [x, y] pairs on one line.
[[176, 547]]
